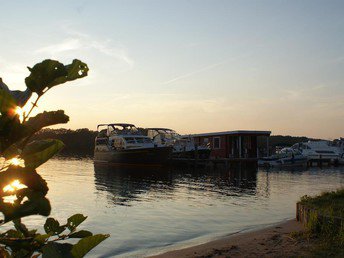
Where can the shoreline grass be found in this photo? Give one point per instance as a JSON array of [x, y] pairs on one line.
[[326, 235]]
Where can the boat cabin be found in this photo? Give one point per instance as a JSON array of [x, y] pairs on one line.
[[121, 136]]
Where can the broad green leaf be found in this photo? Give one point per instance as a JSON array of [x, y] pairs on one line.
[[44, 74], [86, 244], [81, 234], [7, 103], [36, 204], [38, 152], [41, 238], [57, 250], [13, 234], [20, 227], [75, 220], [50, 73], [44, 119], [11, 152], [11, 131], [22, 249], [75, 70], [33, 232], [52, 226], [26, 176]]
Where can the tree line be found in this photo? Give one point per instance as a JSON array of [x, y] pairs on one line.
[[81, 141]]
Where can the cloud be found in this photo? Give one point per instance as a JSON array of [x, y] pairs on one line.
[[84, 42], [66, 45], [206, 68], [304, 93], [13, 73], [119, 53]]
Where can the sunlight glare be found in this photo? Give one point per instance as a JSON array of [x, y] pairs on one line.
[[17, 162], [15, 185], [9, 199], [19, 111]]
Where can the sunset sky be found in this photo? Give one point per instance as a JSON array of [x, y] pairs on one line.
[[194, 66]]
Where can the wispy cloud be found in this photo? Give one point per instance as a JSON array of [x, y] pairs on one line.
[[81, 41], [116, 52], [303, 92], [66, 45], [13, 73], [203, 69]]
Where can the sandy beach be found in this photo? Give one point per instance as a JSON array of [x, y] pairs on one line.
[[274, 241]]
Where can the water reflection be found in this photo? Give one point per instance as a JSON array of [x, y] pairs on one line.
[[168, 207], [127, 185]]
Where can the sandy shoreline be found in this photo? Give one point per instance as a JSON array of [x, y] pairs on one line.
[[273, 241]]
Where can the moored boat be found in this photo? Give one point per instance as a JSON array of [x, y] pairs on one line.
[[339, 144], [318, 151], [124, 144], [287, 157], [183, 146]]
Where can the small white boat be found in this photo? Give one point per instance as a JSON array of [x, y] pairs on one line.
[[318, 151], [183, 146], [287, 157]]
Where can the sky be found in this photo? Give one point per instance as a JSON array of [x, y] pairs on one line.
[[193, 66]]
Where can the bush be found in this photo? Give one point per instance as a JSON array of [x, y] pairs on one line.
[[22, 190]]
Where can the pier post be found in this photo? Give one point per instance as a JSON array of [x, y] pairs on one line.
[[239, 146]]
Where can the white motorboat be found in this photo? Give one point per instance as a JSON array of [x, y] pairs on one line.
[[183, 146], [286, 157], [124, 144], [318, 151], [339, 143]]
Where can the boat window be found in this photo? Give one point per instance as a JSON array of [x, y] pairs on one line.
[[101, 141], [147, 140], [152, 133], [143, 140], [102, 133], [324, 152], [130, 139], [139, 140]]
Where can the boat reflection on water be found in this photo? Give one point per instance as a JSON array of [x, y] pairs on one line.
[[127, 186]]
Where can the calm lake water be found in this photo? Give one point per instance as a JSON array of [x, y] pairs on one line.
[[149, 211]]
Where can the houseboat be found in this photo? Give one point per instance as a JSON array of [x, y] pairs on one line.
[[183, 146], [124, 144]]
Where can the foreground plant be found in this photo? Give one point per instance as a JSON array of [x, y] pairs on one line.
[[22, 190]]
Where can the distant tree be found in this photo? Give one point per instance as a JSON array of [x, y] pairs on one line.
[[78, 142]]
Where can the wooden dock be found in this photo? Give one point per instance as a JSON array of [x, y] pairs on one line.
[[320, 162]]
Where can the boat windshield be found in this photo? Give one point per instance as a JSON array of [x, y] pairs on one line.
[[137, 140], [143, 140], [122, 129], [163, 133]]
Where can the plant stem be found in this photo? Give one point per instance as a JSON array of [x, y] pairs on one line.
[[33, 106]]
